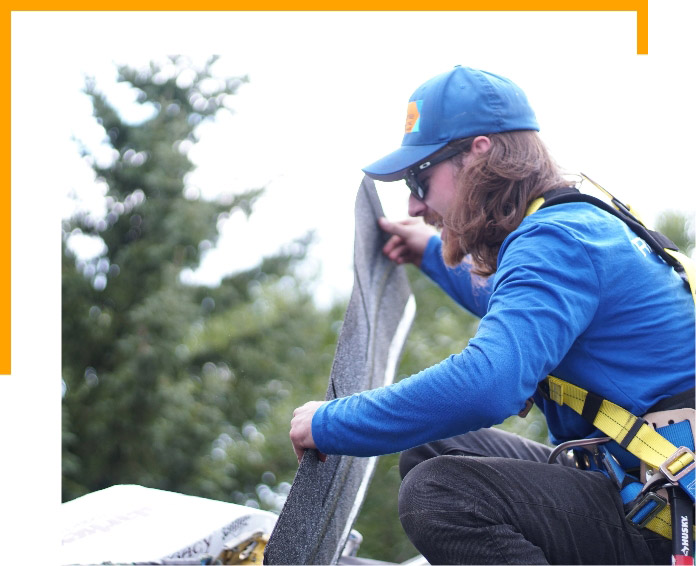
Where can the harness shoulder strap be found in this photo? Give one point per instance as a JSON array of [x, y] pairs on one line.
[[658, 242]]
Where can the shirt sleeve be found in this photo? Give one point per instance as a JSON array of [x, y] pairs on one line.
[[545, 293], [467, 290]]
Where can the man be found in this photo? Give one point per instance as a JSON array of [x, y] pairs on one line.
[[567, 290]]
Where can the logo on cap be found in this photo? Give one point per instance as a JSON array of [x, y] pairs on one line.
[[413, 116]]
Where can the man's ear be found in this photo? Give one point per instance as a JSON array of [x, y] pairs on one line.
[[480, 145]]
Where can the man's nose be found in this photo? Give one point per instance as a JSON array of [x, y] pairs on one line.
[[416, 207]]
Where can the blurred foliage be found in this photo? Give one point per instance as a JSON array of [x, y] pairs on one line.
[[679, 228], [167, 385]]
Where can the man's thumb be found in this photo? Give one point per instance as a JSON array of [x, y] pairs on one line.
[[391, 227]]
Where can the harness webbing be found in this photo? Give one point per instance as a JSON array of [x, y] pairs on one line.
[[630, 432], [640, 439], [689, 268]]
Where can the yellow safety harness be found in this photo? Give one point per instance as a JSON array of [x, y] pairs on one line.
[[638, 437], [665, 448]]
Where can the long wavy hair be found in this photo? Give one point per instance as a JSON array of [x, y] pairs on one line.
[[494, 190]]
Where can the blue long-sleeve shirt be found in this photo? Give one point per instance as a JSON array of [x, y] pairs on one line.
[[576, 294]]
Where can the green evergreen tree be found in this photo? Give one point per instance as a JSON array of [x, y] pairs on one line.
[[170, 385]]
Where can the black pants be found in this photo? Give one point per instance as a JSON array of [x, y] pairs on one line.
[[488, 497]]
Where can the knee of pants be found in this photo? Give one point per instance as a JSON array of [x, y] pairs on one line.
[[441, 495], [439, 483], [412, 487]]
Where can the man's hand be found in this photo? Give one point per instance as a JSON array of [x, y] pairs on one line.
[[409, 240], [301, 429]]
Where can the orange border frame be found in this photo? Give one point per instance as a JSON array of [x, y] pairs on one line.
[[638, 6], [5, 217]]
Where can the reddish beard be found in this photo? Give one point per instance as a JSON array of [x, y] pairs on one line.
[[451, 251], [433, 219]]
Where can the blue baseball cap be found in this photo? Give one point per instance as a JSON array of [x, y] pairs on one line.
[[461, 103]]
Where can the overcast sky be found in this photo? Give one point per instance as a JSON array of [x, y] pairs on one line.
[[328, 92], [327, 95]]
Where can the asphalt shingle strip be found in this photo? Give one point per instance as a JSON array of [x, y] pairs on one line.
[[325, 498]]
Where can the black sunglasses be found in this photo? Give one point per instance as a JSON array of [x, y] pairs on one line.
[[418, 189]]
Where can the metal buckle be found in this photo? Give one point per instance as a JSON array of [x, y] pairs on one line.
[[556, 391], [674, 478], [661, 504], [576, 444]]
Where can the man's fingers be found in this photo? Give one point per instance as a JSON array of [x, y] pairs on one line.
[[300, 453], [392, 227], [396, 228], [301, 429], [392, 244], [400, 254]]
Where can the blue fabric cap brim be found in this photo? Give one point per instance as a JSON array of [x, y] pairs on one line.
[[393, 167]]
